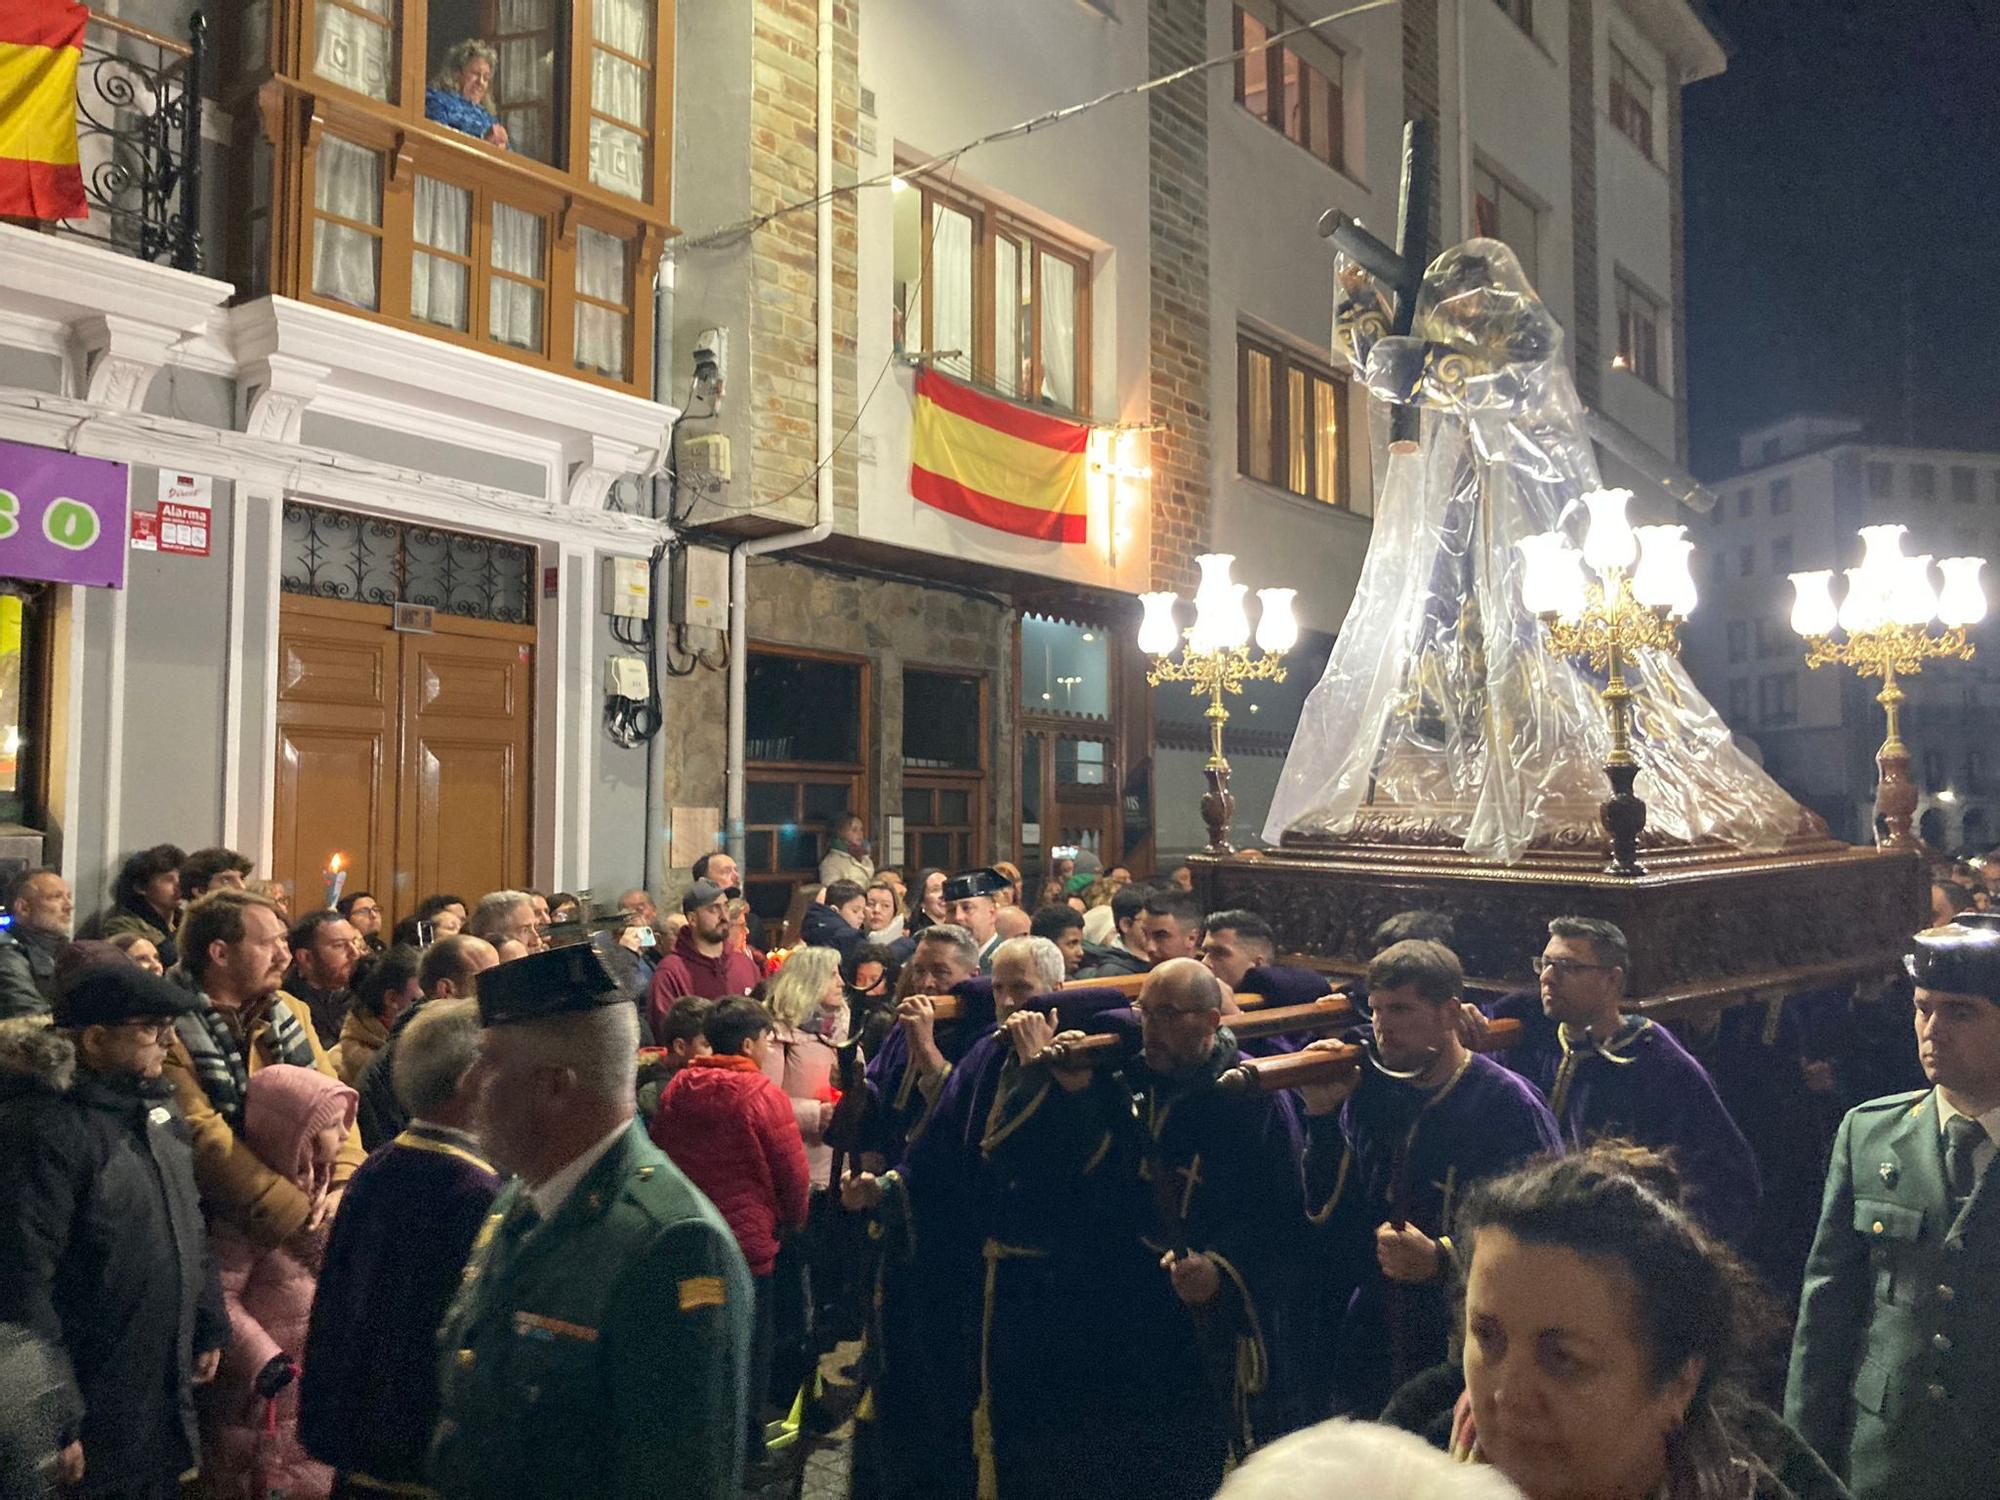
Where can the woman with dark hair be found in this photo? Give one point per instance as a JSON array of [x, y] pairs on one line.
[[145, 899], [1608, 1340], [926, 900], [384, 986]]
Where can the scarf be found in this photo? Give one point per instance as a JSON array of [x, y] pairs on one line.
[[218, 1061]]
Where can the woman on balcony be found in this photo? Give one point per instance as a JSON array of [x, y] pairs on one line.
[[457, 96]]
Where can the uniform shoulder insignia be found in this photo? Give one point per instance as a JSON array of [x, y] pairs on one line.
[[703, 1291]]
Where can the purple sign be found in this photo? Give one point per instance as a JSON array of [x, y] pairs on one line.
[[62, 518]]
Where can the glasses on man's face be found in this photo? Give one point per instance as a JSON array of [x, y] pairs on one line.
[[150, 1031], [1543, 963]]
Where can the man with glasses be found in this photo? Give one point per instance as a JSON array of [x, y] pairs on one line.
[[103, 1254], [1608, 1074]]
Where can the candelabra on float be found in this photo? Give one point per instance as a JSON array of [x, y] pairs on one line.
[[1217, 659], [1639, 591], [1886, 619]]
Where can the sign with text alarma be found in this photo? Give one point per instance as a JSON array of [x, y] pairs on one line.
[[62, 518]]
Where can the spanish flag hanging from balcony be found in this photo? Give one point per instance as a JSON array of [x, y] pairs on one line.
[[999, 464], [41, 44]]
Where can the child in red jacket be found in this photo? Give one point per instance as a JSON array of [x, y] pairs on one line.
[[733, 1132]]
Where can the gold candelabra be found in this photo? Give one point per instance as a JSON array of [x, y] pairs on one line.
[[1633, 596], [1884, 652], [1607, 634], [1215, 657]]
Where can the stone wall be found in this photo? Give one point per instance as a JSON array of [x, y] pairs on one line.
[[1177, 199], [891, 623]]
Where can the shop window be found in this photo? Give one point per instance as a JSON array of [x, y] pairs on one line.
[[804, 709], [24, 680], [1065, 668], [943, 721]]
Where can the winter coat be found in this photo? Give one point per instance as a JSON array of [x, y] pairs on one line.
[[136, 917], [842, 864], [802, 1064], [102, 1255], [823, 927], [19, 994], [361, 1037], [251, 1450], [730, 1129], [33, 1407], [689, 971], [234, 1184]]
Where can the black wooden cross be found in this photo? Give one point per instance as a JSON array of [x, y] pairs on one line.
[[1401, 268]]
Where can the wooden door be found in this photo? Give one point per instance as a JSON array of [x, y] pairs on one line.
[[339, 704], [407, 754], [463, 818]]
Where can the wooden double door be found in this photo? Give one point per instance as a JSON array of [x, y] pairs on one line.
[[407, 754]]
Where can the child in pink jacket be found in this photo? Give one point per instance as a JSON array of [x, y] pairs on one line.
[[295, 1120]]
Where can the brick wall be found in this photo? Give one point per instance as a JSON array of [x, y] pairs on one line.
[[1177, 199], [1585, 333], [783, 254], [1677, 229]]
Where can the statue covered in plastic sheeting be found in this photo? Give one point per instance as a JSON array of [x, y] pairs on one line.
[[1441, 718]]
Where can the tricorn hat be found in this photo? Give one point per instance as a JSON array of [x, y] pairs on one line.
[[560, 982], [1962, 957], [969, 883]]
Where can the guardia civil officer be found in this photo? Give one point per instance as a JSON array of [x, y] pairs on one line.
[[600, 1343], [1893, 1375]]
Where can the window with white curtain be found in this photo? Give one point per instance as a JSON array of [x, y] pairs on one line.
[[526, 36], [1010, 299], [952, 276], [347, 223], [621, 90], [519, 274], [603, 302], [441, 263], [354, 45], [1058, 299]]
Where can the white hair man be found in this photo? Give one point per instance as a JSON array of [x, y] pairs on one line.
[[602, 1252]]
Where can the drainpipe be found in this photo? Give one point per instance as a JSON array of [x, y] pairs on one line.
[[1465, 216], [822, 526]]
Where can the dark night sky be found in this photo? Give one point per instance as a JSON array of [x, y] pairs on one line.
[[1843, 221]]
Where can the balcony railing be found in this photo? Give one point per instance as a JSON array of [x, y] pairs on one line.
[[138, 127]]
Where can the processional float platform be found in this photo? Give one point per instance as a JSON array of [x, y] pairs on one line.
[[1710, 926]]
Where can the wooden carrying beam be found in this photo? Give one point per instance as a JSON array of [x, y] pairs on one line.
[[948, 1007], [1320, 1016], [1327, 1064]]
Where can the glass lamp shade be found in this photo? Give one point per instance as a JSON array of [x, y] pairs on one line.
[[1215, 579], [1608, 542], [1813, 611], [1572, 588], [1542, 559], [1866, 607], [1277, 627], [1882, 549], [1158, 634], [1961, 601], [1912, 600], [1662, 579], [1232, 620]]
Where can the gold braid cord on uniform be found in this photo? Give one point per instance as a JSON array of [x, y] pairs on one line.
[[1575, 1050], [982, 1414]]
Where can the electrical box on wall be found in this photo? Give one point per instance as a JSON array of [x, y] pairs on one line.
[[707, 455], [625, 676], [699, 593], [626, 590]]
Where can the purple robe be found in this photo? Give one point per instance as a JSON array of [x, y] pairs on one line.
[[1397, 1148], [1643, 1086]]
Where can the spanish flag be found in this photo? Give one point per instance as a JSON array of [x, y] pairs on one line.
[[999, 464], [41, 44]]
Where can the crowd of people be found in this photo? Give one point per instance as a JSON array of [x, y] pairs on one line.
[[524, 1198]]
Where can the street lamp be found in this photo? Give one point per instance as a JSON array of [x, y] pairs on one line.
[[1886, 618], [1627, 590], [1216, 658]]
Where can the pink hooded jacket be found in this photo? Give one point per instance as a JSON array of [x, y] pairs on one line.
[[250, 1448]]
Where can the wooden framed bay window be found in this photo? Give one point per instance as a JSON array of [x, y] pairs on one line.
[[372, 191], [1291, 418], [1004, 303]]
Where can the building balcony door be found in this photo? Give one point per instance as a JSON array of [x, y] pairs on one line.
[[409, 754]]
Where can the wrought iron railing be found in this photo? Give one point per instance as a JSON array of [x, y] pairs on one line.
[[138, 127]]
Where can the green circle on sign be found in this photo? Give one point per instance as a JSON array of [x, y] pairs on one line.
[[10, 512], [71, 524]]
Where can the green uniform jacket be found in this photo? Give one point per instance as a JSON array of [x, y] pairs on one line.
[[603, 1354], [1895, 1378]]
